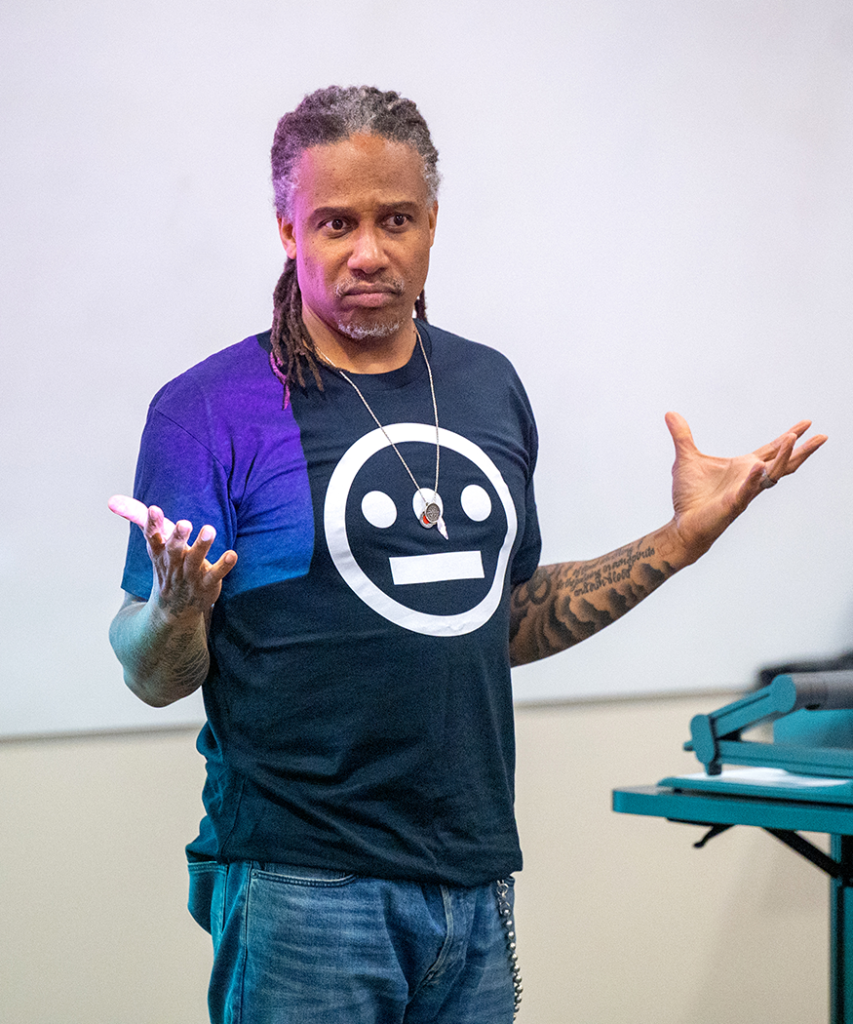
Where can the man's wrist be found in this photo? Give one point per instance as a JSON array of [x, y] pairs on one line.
[[674, 549], [169, 615]]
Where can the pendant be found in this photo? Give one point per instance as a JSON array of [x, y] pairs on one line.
[[429, 512]]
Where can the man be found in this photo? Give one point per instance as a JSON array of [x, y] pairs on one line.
[[365, 576]]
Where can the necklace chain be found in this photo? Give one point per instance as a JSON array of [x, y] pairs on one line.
[[378, 423]]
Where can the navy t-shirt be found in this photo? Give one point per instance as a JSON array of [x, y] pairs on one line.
[[359, 703]]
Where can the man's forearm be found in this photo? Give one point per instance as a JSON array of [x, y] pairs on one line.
[[163, 660], [562, 604]]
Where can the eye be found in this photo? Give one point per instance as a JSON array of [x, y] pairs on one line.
[[379, 509], [397, 220], [336, 223], [476, 503]]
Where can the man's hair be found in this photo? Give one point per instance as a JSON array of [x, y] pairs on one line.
[[324, 117]]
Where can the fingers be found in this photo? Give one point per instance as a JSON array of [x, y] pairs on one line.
[[784, 456], [200, 550], [197, 553], [159, 530], [758, 479], [129, 508], [150, 520], [679, 431], [781, 453], [768, 451], [805, 451], [194, 555], [184, 578], [779, 466], [224, 564]]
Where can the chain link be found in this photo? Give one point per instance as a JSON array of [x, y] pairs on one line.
[[376, 420], [505, 912]]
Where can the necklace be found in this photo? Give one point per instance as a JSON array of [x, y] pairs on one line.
[[431, 513]]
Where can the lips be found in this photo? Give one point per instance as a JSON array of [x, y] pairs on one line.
[[374, 296], [369, 293], [371, 289]]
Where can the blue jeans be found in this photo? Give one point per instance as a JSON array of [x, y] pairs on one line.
[[299, 945]]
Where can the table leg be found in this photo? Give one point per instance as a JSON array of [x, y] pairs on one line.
[[841, 933]]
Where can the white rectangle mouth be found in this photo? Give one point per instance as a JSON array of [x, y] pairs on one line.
[[449, 565]]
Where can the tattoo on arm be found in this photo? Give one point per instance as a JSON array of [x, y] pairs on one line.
[[560, 605], [185, 661], [160, 666]]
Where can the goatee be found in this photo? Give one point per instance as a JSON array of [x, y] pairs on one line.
[[378, 329]]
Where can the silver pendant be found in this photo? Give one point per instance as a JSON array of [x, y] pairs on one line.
[[431, 514], [430, 511]]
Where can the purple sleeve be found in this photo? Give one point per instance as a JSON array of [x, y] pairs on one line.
[[182, 476]]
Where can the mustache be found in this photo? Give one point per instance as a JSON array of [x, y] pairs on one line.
[[390, 285]]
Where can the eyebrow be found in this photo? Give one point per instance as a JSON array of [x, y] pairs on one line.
[[324, 212]]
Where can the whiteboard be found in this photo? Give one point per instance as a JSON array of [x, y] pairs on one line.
[[646, 205]]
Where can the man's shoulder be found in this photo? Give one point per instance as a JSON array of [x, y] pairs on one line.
[[481, 375], [225, 372], [472, 354]]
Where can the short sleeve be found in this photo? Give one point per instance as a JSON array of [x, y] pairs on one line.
[[179, 473]]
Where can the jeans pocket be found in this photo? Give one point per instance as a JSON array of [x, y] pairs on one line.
[[294, 874], [207, 893]]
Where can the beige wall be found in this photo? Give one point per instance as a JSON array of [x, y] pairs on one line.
[[619, 918]]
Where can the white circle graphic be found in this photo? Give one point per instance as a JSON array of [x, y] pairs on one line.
[[379, 510], [334, 521], [476, 503]]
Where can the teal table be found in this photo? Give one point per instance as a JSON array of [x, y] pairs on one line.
[[783, 818]]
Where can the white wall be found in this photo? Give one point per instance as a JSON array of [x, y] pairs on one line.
[[646, 205], [619, 918]]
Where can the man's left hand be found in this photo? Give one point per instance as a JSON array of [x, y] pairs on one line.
[[709, 493]]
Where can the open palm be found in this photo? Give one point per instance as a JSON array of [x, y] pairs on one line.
[[708, 493]]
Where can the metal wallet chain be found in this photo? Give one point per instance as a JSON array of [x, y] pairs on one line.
[[505, 912]]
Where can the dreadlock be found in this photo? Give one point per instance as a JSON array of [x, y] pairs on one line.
[[323, 117]]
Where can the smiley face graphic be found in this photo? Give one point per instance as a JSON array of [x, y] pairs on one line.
[[400, 569]]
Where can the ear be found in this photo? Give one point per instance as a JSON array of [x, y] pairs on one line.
[[433, 217], [288, 238]]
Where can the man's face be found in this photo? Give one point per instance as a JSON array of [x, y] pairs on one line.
[[360, 231]]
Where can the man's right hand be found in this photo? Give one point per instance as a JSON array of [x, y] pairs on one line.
[[184, 580], [162, 642]]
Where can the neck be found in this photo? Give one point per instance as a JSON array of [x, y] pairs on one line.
[[362, 355]]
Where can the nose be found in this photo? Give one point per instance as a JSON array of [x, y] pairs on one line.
[[367, 255]]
